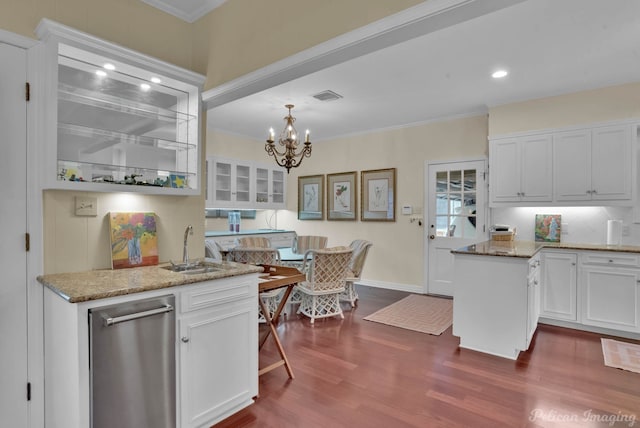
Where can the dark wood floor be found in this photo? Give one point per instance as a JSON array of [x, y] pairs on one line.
[[356, 373]]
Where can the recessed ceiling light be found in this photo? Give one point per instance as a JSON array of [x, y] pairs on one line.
[[499, 74], [155, 80], [145, 87], [109, 66], [101, 73]]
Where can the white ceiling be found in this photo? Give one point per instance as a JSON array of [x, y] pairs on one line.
[[549, 47]]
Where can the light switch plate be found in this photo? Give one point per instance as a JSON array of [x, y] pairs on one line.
[[86, 206], [407, 210]]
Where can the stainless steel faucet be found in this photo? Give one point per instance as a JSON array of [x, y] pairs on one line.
[[185, 252]]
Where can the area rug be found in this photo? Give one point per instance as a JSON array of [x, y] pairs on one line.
[[425, 314], [621, 355]]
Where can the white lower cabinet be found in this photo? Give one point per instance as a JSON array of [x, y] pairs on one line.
[[602, 291], [218, 363], [558, 293], [278, 239], [533, 297], [610, 297], [493, 308], [218, 355], [216, 351]]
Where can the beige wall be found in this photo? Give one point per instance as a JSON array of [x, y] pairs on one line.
[[397, 256], [73, 243], [599, 105], [239, 42], [130, 23]]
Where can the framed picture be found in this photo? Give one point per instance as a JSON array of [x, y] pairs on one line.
[[548, 227], [341, 196], [311, 197], [378, 195], [133, 239]]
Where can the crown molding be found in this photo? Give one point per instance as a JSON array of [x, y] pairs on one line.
[[202, 7]]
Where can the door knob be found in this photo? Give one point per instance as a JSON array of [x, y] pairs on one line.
[[185, 340], [432, 237]]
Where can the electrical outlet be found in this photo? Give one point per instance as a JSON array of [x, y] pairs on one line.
[[86, 206], [564, 227], [626, 231]]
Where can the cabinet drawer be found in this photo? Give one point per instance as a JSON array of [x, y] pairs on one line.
[[610, 259], [219, 291]]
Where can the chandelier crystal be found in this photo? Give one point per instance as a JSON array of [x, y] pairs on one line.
[[288, 156]]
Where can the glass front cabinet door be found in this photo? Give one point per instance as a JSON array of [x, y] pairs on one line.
[[270, 187], [115, 120]]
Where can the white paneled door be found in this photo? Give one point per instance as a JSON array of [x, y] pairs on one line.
[[456, 212], [13, 261]]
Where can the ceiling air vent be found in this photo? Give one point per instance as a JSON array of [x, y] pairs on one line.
[[327, 96]]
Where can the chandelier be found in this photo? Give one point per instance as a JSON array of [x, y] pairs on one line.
[[288, 157]]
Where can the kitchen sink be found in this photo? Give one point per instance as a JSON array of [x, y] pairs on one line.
[[195, 267]]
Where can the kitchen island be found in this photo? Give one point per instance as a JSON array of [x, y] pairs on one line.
[[502, 288], [216, 353]]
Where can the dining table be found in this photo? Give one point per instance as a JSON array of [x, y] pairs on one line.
[[276, 277]]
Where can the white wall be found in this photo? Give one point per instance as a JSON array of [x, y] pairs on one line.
[[586, 225]]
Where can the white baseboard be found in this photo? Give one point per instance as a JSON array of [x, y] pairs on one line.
[[592, 329], [409, 288]]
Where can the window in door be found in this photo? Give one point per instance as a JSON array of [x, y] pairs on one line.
[[456, 192]]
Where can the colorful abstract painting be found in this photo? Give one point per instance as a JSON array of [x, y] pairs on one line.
[[548, 227], [134, 241]]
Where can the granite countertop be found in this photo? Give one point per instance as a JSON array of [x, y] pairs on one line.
[[527, 249], [98, 284], [212, 233]]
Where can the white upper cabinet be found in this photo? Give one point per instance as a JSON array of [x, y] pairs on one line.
[[520, 169], [580, 166], [236, 183], [115, 120], [594, 164], [270, 187], [231, 183]]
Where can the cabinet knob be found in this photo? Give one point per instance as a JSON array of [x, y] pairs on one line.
[[610, 261], [594, 191], [589, 192], [185, 340]]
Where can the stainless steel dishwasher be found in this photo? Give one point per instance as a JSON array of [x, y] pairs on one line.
[[132, 358]]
